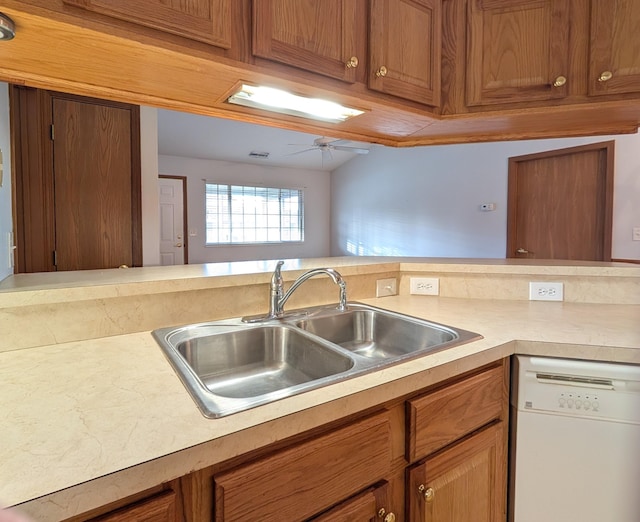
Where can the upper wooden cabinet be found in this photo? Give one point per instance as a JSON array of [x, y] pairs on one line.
[[316, 35], [614, 65], [517, 50], [204, 20], [405, 43]]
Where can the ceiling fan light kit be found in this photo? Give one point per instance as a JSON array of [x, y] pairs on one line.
[[7, 27]]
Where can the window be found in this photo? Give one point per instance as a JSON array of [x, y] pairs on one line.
[[239, 214]]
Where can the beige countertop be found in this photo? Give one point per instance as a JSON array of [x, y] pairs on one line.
[[75, 412], [97, 417]]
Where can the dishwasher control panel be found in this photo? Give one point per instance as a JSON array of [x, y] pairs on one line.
[[578, 388]]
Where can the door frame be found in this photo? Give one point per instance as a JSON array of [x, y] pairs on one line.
[[609, 149], [185, 214]]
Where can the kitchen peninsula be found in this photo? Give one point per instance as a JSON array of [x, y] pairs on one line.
[[95, 416]]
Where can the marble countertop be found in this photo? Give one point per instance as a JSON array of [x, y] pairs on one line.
[[88, 422]]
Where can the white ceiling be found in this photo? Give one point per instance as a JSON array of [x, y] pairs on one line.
[[203, 137]]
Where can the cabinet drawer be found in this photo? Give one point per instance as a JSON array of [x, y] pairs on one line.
[[159, 508], [443, 416], [305, 479]]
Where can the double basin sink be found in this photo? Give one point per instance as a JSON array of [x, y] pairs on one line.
[[230, 366]]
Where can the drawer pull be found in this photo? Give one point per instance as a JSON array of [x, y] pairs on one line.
[[427, 493], [387, 517], [605, 76], [352, 62], [559, 81], [382, 72]]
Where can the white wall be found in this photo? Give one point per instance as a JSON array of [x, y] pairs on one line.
[[424, 201], [149, 174], [6, 222], [316, 186]]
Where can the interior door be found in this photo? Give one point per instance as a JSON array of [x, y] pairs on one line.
[[172, 222], [560, 204], [96, 189]]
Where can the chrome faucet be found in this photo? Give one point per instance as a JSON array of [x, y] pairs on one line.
[[278, 297]]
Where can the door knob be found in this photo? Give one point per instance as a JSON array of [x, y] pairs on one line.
[[522, 251], [382, 72], [178, 245]]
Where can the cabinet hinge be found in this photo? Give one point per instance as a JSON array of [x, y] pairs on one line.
[[52, 133]]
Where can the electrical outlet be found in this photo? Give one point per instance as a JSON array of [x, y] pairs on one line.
[[424, 285], [385, 287], [546, 291]]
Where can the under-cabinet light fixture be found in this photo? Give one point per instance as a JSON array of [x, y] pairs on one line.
[[277, 100], [7, 27]]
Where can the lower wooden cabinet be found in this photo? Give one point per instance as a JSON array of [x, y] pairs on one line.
[[159, 508], [463, 483], [307, 478]]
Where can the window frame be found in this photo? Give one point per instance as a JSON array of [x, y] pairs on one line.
[[235, 189]]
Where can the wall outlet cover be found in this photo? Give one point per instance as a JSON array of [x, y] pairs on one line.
[[424, 285], [546, 291]]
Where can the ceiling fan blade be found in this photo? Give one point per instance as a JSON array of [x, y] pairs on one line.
[[357, 150], [300, 151]]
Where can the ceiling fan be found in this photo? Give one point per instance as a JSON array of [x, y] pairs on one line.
[[326, 145]]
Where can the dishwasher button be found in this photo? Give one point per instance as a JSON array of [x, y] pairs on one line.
[[570, 403], [595, 405], [578, 404], [587, 405], [562, 401]]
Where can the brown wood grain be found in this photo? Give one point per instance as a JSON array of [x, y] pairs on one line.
[[560, 204], [405, 37], [303, 480], [448, 414], [160, 508], [465, 479], [516, 50], [363, 507], [316, 35], [204, 20]]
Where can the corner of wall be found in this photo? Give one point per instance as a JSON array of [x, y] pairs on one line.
[[6, 218]]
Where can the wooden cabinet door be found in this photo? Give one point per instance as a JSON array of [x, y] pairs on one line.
[[204, 20], [517, 50], [404, 49], [464, 483], [371, 505], [614, 66], [315, 35]]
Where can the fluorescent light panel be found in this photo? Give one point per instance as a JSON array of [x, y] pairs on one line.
[[284, 102]]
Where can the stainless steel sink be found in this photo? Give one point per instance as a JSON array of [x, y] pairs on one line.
[[230, 366], [378, 334]]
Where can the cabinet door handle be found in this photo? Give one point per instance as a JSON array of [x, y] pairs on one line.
[[352, 62], [386, 517], [605, 76], [559, 81], [427, 493], [522, 251], [382, 72]]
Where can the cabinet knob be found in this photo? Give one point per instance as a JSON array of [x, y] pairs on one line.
[[352, 62], [387, 517], [123, 266], [559, 81], [522, 251], [605, 76], [428, 493], [382, 72]]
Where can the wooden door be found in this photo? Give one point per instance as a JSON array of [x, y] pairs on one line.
[[614, 66], [560, 204], [405, 43], [94, 185], [315, 35], [464, 483], [370, 506], [517, 50], [204, 20], [173, 239]]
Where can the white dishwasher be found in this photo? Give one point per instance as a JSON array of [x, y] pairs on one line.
[[575, 447]]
